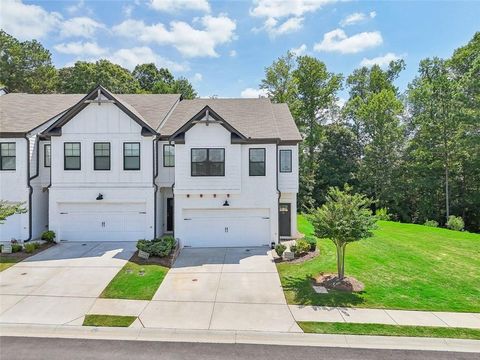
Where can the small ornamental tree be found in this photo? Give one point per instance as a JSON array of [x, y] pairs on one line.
[[344, 218], [10, 208]]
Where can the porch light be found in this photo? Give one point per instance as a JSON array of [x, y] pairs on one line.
[[100, 197], [226, 203]]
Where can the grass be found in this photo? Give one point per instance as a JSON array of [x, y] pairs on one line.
[[108, 320], [136, 282], [403, 266], [389, 330], [6, 263], [8, 260]]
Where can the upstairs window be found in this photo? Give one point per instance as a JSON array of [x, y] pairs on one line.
[[285, 161], [71, 158], [168, 155], [7, 156], [101, 156], [256, 166], [208, 162], [131, 156], [47, 155]]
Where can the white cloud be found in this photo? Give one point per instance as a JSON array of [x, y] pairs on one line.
[[189, 41], [79, 7], [80, 48], [27, 21], [232, 53], [274, 10], [299, 50], [253, 93], [129, 58], [338, 41], [80, 27], [127, 10], [357, 17], [197, 77], [176, 5], [381, 61]]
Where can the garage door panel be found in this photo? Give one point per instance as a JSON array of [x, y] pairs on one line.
[[233, 227], [102, 222]]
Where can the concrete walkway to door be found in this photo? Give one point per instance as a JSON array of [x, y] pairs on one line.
[[221, 289]]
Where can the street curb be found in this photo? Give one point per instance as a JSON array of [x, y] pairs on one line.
[[241, 337]]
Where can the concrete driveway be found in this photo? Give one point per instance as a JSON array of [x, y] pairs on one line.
[[221, 289], [60, 284]]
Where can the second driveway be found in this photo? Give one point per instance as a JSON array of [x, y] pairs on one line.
[[221, 289]]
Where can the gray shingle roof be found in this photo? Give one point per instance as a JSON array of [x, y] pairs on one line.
[[254, 118], [20, 113]]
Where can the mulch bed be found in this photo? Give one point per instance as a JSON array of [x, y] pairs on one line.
[[22, 255], [305, 257], [155, 260], [331, 282]]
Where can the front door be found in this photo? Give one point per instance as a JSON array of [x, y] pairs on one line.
[[169, 214], [285, 220]]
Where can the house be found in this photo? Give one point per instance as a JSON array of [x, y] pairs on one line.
[[105, 167]]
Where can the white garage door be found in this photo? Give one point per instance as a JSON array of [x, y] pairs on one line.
[[102, 222], [232, 227]]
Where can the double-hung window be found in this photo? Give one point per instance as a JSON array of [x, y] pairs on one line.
[[208, 162], [131, 156], [101, 156], [285, 161], [168, 155], [71, 159], [7, 156], [256, 163], [47, 155]]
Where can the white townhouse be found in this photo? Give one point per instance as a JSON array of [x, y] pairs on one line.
[[105, 167]]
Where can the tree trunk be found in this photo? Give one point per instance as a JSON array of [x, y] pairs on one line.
[[341, 261]]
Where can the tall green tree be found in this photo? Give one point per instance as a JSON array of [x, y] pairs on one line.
[[10, 208], [26, 66], [279, 81], [84, 76], [184, 87]]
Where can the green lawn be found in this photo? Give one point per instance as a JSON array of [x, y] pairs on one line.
[[108, 320], [6, 263], [134, 281], [404, 266], [388, 330]]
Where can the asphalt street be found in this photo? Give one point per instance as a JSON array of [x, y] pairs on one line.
[[12, 348]]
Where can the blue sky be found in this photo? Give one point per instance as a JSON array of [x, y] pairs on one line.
[[224, 46]]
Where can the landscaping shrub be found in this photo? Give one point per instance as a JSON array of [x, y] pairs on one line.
[[312, 241], [157, 247], [48, 236], [301, 247], [431, 223], [382, 214], [16, 248], [30, 248], [293, 248], [455, 223], [280, 248]]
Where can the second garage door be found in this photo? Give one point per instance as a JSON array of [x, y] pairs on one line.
[[225, 228], [102, 222]]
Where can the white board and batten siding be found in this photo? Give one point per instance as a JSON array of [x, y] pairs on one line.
[[126, 212]]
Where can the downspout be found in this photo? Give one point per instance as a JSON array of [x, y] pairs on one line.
[[155, 186], [279, 194], [30, 189]]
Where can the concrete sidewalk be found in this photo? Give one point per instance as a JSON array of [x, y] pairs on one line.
[[241, 337], [388, 317]]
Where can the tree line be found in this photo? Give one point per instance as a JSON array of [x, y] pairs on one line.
[[27, 67], [416, 153]]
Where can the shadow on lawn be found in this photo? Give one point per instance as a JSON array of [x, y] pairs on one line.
[[305, 295]]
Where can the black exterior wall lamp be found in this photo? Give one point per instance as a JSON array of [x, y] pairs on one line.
[[100, 197], [226, 203]]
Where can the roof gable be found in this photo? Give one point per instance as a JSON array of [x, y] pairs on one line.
[[98, 95]]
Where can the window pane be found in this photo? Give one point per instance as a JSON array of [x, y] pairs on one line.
[[8, 163], [132, 149], [72, 163], [8, 149], [47, 149], [257, 155], [169, 149], [102, 163], [72, 149], [285, 161], [257, 169], [102, 149], [199, 155], [216, 154], [168, 155], [132, 163], [216, 169], [199, 169]]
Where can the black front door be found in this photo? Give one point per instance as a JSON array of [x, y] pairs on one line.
[[169, 214], [285, 219]]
